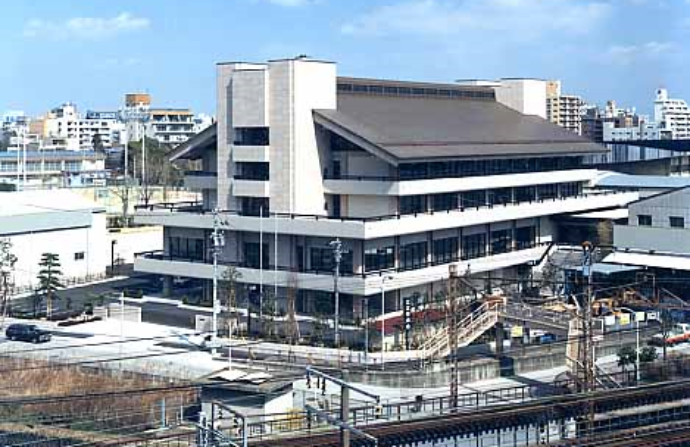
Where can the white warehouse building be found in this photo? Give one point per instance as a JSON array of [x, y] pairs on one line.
[[54, 221], [411, 177]]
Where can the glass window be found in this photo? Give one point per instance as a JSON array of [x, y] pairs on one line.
[[379, 258], [525, 194], [500, 196], [474, 246], [644, 220], [251, 136], [413, 255], [255, 206], [322, 260], [443, 202], [252, 171], [525, 237], [571, 189], [547, 192], [500, 241], [445, 250], [472, 199], [79, 256], [676, 222], [254, 258], [412, 204]]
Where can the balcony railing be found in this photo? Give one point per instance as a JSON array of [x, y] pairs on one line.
[[197, 207], [160, 255]]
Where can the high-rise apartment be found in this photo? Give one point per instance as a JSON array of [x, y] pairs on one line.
[[564, 110]]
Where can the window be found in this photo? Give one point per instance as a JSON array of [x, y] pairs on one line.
[[500, 241], [413, 255], [443, 202], [525, 237], [571, 189], [525, 194], [474, 246], [79, 256], [255, 206], [251, 136], [445, 250], [644, 220], [547, 192], [500, 196], [412, 204], [256, 256], [676, 221], [322, 260], [181, 247], [472, 199], [252, 171], [379, 258]]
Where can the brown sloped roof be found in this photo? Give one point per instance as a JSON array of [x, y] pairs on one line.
[[410, 128]]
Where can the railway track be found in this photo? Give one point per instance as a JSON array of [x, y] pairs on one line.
[[676, 434], [481, 421]]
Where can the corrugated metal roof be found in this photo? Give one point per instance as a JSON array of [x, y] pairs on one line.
[[411, 128], [666, 261]]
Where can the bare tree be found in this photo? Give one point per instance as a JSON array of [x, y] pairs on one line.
[[228, 284], [292, 327], [124, 192]]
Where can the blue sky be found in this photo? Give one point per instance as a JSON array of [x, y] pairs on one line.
[[93, 52]]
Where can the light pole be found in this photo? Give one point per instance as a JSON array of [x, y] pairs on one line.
[[383, 319], [637, 342], [218, 242], [337, 247]]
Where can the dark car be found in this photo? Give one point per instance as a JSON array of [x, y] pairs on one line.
[[27, 332]]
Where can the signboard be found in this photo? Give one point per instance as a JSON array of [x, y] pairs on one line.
[[624, 319], [610, 320], [640, 316], [516, 331]]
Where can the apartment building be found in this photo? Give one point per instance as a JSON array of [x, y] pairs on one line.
[[410, 177], [672, 116], [166, 125], [106, 125], [564, 110], [47, 168]]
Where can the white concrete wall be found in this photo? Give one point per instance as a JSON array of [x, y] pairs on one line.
[[370, 206], [662, 207], [527, 96], [92, 241], [249, 97], [130, 241]]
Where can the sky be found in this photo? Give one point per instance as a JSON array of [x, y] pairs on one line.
[[93, 52]]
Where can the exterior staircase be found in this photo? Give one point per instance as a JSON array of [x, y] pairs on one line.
[[485, 317]]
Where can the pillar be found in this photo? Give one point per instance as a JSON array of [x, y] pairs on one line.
[[167, 286]]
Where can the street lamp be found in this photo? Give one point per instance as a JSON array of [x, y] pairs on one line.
[[113, 243], [383, 319], [637, 342]]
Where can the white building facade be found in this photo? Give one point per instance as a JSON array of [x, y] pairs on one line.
[[672, 116], [55, 221], [410, 177]]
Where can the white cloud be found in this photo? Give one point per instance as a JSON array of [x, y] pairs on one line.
[[86, 27], [499, 19], [627, 54]]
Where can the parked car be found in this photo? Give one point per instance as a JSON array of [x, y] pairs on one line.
[[27, 332]]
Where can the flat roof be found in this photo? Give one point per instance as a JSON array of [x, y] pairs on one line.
[[617, 180], [422, 128], [603, 268], [658, 260]]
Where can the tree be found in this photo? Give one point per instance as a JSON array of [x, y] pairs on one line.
[[124, 192], [228, 288], [667, 323], [648, 354], [7, 263], [49, 279], [626, 356]]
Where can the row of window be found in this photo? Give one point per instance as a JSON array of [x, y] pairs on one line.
[[471, 168], [250, 136], [402, 90], [35, 166], [645, 220], [490, 197]]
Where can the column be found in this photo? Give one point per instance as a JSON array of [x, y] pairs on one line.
[[167, 286]]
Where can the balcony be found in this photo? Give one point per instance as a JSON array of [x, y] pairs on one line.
[[390, 225], [356, 284], [250, 188], [354, 185], [199, 180], [250, 154]]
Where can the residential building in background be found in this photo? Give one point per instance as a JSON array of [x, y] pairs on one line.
[[526, 95], [105, 127], [409, 177], [672, 116], [166, 125], [51, 168], [561, 109]]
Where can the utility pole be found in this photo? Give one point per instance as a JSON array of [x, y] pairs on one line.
[[451, 324], [218, 241], [587, 343], [337, 247], [7, 262]]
